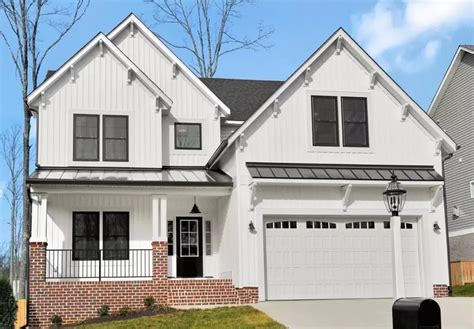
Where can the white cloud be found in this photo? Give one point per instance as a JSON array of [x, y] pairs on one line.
[[392, 26]]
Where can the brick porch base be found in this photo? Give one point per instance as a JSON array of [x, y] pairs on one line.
[[76, 301]]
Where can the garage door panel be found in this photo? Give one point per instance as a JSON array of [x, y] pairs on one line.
[[327, 259]]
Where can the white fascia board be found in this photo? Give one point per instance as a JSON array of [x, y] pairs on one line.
[[171, 56], [448, 144], [341, 183], [233, 122], [447, 78], [119, 55]]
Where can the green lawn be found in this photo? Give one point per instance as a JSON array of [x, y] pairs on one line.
[[221, 317], [464, 291]]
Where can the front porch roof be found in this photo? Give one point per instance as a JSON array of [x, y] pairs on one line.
[[170, 176]]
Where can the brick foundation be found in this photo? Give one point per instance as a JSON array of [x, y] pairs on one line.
[[440, 290], [76, 301]]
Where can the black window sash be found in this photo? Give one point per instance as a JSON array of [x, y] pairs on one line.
[[91, 253], [346, 141], [178, 147], [105, 138], [75, 137], [111, 252], [334, 122]]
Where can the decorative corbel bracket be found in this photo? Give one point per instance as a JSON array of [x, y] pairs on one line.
[[276, 108], [405, 108], [217, 113], [241, 141], [72, 73], [307, 76], [253, 195], [373, 80], [438, 145], [436, 193], [43, 100], [174, 71], [346, 194], [132, 29], [101, 48], [160, 107], [129, 76], [338, 45]]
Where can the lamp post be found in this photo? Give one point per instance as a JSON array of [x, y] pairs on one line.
[[394, 196]]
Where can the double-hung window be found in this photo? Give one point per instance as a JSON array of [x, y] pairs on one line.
[[85, 236], [86, 137], [116, 235], [187, 136], [115, 132], [326, 111]]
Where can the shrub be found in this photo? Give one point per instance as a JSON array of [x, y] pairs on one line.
[[56, 320], [103, 310], [125, 311], [7, 304], [150, 302]]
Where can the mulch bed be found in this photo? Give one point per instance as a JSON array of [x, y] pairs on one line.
[[131, 315]]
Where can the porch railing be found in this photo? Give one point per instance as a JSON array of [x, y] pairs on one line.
[[98, 264]]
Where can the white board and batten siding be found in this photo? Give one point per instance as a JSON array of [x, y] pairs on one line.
[[189, 103], [100, 87]]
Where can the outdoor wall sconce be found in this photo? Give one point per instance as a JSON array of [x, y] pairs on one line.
[[251, 227], [195, 209], [436, 227]]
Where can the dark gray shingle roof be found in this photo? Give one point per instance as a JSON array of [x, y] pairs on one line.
[[470, 47], [243, 97]]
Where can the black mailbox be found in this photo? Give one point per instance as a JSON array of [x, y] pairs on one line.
[[416, 313]]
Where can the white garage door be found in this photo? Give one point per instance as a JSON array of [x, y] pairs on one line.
[[333, 258]]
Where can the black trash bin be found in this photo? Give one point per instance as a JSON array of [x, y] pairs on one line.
[[416, 313]]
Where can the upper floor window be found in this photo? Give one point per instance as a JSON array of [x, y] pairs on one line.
[[325, 126], [86, 137], [354, 116], [326, 111], [187, 136], [115, 134]]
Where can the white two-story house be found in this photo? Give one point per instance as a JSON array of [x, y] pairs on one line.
[[153, 182]]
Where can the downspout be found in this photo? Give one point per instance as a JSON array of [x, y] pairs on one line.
[[447, 157]]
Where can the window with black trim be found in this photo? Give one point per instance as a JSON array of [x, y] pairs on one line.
[[354, 122], [85, 236], [116, 235], [86, 137], [187, 136], [325, 117], [115, 137], [170, 238]]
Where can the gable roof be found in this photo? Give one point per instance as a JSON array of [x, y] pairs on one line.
[[137, 23], [244, 97], [142, 77], [462, 49], [347, 43]]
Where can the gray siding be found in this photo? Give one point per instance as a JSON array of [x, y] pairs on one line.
[[455, 114]]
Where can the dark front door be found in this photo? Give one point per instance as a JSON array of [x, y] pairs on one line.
[[189, 247]]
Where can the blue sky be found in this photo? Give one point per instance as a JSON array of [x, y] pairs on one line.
[[414, 41]]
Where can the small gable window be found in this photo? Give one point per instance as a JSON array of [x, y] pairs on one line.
[[187, 136], [355, 128], [86, 137], [325, 126]]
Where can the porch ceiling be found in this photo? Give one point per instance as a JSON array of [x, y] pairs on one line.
[[131, 177]]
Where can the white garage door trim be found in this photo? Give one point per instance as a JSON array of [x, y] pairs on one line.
[[321, 272]]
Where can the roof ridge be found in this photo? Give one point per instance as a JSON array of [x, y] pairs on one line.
[[239, 79]]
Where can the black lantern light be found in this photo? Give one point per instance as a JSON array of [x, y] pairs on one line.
[[394, 196], [195, 209]]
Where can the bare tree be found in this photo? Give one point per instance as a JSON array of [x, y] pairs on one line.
[[10, 152], [34, 28], [207, 26]]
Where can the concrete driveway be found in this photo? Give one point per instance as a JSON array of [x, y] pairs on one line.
[[456, 313]]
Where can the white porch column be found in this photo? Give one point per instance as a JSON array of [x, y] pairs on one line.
[[39, 214], [159, 215], [397, 261]]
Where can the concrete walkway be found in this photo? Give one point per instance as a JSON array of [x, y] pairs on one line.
[[456, 313]]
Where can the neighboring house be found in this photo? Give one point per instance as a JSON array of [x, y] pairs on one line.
[[453, 109], [289, 204]]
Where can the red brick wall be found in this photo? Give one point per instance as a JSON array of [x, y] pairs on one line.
[[208, 292], [440, 290], [76, 301]]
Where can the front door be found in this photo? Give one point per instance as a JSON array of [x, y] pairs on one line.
[[189, 243]]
